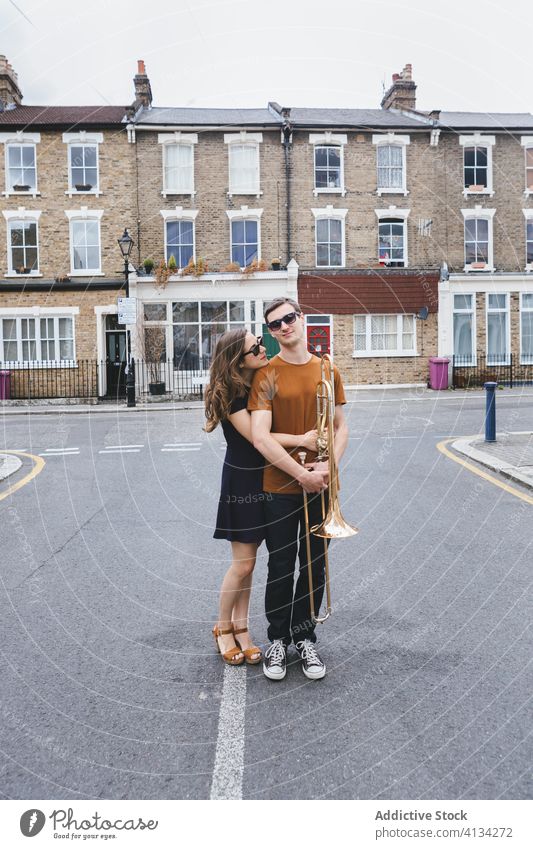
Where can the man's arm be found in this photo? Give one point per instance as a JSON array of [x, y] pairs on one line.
[[275, 454], [340, 441]]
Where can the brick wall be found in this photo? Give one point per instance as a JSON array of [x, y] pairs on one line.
[[117, 184], [212, 226]]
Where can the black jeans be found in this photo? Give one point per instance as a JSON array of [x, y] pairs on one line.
[[288, 609]]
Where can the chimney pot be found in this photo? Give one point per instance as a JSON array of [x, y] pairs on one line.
[[141, 69], [402, 92]]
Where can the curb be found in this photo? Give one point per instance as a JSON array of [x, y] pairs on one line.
[[94, 409], [463, 446], [9, 464]]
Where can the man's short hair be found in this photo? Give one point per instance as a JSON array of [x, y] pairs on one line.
[[278, 302]]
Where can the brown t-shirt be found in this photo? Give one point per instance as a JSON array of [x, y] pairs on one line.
[[288, 391]]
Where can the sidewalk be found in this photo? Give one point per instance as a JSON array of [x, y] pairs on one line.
[[9, 464], [511, 454]]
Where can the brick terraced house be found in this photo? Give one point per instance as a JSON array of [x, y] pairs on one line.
[[212, 196], [68, 192]]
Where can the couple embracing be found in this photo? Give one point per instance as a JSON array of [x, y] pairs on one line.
[[267, 410]]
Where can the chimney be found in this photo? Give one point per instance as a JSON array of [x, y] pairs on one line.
[[10, 94], [402, 93], [143, 89]]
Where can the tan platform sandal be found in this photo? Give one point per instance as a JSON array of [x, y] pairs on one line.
[[252, 655], [234, 656]]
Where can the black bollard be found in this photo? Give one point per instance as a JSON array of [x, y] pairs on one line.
[[130, 384], [490, 413]]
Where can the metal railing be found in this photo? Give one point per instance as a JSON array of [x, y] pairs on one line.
[[47, 380], [175, 378], [467, 371]]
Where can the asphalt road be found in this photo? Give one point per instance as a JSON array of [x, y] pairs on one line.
[[110, 684]]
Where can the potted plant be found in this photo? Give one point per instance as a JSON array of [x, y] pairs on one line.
[[23, 269], [232, 267], [154, 354], [172, 264], [148, 265], [162, 273], [83, 187], [276, 264], [62, 278], [196, 269], [19, 188], [255, 265]]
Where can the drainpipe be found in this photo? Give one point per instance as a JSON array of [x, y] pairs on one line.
[[286, 132]]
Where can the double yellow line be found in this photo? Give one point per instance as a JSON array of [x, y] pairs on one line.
[[471, 468], [39, 465]]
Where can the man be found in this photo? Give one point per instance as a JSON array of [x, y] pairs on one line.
[[283, 399]]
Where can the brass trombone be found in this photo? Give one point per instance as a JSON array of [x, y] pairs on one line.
[[333, 525]]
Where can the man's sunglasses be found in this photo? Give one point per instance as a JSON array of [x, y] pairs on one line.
[[255, 349], [290, 318]]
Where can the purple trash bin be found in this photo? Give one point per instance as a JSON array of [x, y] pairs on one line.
[[5, 385], [438, 372]]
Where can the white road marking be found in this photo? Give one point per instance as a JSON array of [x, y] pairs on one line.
[[180, 444], [61, 449], [124, 446], [400, 437], [59, 452], [183, 448], [119, 451], [229, 755]]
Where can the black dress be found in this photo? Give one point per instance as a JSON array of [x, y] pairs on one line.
[[240, 509]]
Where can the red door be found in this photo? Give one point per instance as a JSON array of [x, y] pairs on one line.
[[318, 339]]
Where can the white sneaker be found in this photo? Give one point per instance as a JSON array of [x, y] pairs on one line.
[[312, 664], [275, 662]]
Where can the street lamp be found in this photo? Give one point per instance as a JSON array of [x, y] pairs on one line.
[[125, 244]]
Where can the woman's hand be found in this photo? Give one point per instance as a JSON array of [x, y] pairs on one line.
[[308, 440]]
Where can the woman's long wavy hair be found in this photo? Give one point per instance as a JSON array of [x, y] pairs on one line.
[[226, 380]]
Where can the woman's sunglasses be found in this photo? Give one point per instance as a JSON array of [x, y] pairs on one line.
[[255, 349], [290, 318]]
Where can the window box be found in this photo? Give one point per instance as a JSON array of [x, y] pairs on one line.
[[19, 188], [478, 266], [476, 188], [83, 187], [24, 269]]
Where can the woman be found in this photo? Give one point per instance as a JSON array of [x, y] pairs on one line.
[[238, 354]]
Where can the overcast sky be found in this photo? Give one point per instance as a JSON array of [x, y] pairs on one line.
[[466, 54]]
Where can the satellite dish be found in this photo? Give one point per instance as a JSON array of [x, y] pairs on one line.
[[423, 313]]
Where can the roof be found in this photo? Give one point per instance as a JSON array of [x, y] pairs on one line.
[[486, 120], [185, 117], [379, 118], [62, 116]]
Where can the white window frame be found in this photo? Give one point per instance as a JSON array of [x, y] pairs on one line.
[[37, 312], [506, 360], [527, 144], [528, 215], [244, 138], [177, 138], [328, 139], [471, 311], [331, 212], [479, 140], [84, 214], [83, 139], [245, 213], [399, 351], [380, 139], [400, 214], [21, 214], [180, 214], [20, 139], [524, 360], [488, 214]]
